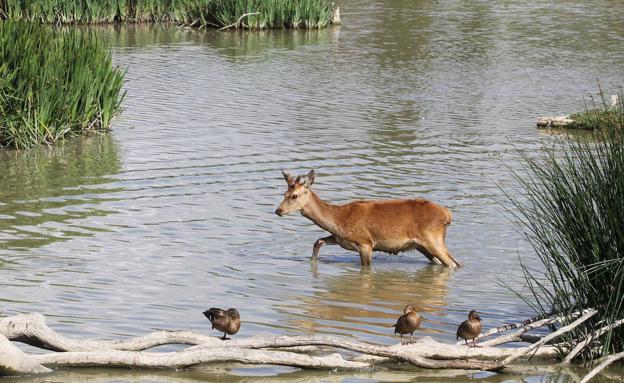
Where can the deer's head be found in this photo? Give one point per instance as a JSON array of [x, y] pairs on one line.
[[298, 193]]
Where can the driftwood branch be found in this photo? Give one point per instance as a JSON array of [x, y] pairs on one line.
[[32, 329], [187, 358], [548, 338], [14, 362], [239, 20], [607, 361], [527, 325], [425, 353], [555, 122], [595, 335]]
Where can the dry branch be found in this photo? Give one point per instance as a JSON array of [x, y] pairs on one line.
[[555, 122], [14, 362], [548, 338], [425, 353], [187, 358], [527, 325], [595, 335], [33, 330], [239, 20]]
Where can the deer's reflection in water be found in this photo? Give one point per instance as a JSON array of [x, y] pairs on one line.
[[370, 300]]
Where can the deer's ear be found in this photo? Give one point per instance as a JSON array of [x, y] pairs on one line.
[[309, 179], [288, 178]]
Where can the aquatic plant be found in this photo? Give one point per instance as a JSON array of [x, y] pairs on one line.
[[573, 217], [54, 83], [202, 13], [601, 113], [271, 13]]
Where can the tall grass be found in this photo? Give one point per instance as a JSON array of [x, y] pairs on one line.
[[216, 13], [601, 113], [272, 13], [54, 83], [573, 216]]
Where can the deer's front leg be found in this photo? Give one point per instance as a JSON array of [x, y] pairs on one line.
[[366, 254], [322, 241]]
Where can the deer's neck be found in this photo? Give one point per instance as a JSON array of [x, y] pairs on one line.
[[323, 214]]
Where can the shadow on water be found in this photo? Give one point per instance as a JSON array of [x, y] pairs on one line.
[[46, 188]]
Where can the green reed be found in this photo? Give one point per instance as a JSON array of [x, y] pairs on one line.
[[272, 13], [573, 216], [201, 13], [54, 83], [600, 113]]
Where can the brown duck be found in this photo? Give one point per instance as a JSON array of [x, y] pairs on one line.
[[222, 320], [408, 322], [470, 329]]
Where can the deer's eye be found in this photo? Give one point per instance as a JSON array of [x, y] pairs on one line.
[[294, 196]]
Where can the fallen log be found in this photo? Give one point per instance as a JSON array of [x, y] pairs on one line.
[[425, 353], [14, 362], [556, 122]]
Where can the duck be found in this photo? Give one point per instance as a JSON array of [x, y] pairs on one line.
[[408, 322], [227, 321], [471, 328]]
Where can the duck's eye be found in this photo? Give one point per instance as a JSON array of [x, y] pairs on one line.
[[294, 196]]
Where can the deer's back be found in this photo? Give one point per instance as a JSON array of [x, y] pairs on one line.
[[394, 219]]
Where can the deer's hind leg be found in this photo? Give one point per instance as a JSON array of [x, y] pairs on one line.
[[330, 240], [438, 250]]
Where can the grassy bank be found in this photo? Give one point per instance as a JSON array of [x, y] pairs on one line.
[[573, 217], [200, 13], [53, 84]]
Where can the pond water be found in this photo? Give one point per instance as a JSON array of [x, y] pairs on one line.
[[173, 212]]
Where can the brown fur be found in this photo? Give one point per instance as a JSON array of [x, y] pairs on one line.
[[391, 226]]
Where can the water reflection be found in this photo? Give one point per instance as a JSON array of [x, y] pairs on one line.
[[242, 46], [365, 303], [233, 373], [235, 45], [45, 189], [142, 35]]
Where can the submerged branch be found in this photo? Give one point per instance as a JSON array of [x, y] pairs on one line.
[[607, 361]]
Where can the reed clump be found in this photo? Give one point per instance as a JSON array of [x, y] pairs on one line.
[[197, 13], [573, 217], [601, 113], [271, 13], [54, 83]]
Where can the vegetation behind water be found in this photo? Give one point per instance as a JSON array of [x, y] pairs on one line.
[[54, 83], [574, 216], [206, 13]]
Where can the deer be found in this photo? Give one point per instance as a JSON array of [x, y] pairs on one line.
[[391, 226]]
